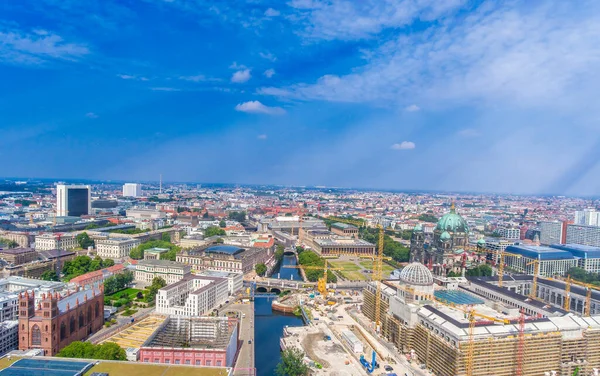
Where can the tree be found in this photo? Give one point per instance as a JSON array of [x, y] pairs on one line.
[[96, 264], [310, 258], [212, 231], [138, 252], [84, 240], [166, 237], [9, 243], [106, 263], [117, 282], [157, 284], [222, 224], [428, 218], [279, 253], [50, 275], [237, 216], [86, 350], [480, 271], [261, 269], [292, 363]]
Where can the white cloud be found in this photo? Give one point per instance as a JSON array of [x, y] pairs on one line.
[[259, 108], [267, 55], [241, 76], [272, 12], [131, 77], [404, 145], [412, 108], [524, 55], [235, 65], [18, 47], [197, 78], [262, 137], [164, 89], [91, 115], [352, 19], [269, 73]]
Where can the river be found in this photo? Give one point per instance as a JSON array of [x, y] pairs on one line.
[[268, 327]]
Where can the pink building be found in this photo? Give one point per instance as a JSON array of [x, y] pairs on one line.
[[196, 341], [97, 276]]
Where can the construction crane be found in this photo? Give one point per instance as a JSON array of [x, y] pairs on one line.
[[588, 294], [568, 294], [501, 261], [536, 272], [377, 275], [521, 344], [322, 282]]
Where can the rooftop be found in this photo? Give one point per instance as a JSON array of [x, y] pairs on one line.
[[226, 249], [539, 252], [343, 226], [16, 251], [579, 250], [71, 300], [164, 263], [196, 332]]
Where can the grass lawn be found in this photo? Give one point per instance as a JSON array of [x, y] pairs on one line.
[[347, 265], [130, 292], [387, 269], [354, 275], [4, 362], [142, 369]]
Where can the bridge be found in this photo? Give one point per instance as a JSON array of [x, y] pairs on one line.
[[274, 285]]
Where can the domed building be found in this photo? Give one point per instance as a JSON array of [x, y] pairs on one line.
[[417, 281], [450, 235]]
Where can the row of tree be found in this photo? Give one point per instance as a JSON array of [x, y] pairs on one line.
[[391, 248], [310, 258], [157, 284], [86, 350], [117, 282], [582, 275], [9, 243], [84, 264], [213, 231], [138, 252]]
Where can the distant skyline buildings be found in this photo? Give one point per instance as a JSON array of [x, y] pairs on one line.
[[73, 200], [132, 190], [588, 217]]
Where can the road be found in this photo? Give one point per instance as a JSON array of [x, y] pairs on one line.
[[244, 366]]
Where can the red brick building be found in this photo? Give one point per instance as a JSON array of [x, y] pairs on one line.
[[57, 320]]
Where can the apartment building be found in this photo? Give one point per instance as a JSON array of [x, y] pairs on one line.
[[583, 234], [116, 248], [170, 271], [192, 296]]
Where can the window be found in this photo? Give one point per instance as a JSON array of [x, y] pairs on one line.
[[72, 324], [208, 363], [197, 362], [36, 336], [146, 360], [218, 363], [167, 361], [187, 361], [63, 331], [89, 314], [156, 360], [81, 320], [97, 310], [177, 361], [46, 328]]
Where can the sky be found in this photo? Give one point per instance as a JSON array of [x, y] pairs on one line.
[[454, 95]]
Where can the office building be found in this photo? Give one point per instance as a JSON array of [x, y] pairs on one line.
[[48, 241], [132, 190], [235, 281], [192, 296], [9, 336], [553, 232], [552, 261], [170, 271], [56, 320], [73, 200], [327, 243], [588, 217], [226, 258], [583, 234], [509, 232], [344, 229], [116, 248], [588, 257]]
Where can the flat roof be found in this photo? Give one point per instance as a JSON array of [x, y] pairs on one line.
[[46, 367], [226, 249], [579, 250], [343, 226], [539, 252]]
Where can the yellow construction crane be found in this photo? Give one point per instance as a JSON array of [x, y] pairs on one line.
[[536, 272], [501, 261], [588, 294], [322, 282], [568, 294], [377, 276]]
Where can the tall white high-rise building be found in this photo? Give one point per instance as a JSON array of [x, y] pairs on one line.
[[551, 232], [132, 190], [73, 200], [588, 217]]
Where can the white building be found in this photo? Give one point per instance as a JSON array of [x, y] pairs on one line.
[[9, 336], [509, 232], [170, 271], [115, 248], [132, 190], [192, 296], [583, 234], [141, 213], [73, 200], [235, 281], [9, 306], [588, 217], [47, 242], [551, 232], [552, 261]]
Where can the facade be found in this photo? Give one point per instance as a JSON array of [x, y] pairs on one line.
[[587, 217], [170, 271], [48, 241], [192, 296], [132, 190], [23, 239], [98, 276], [116, 248], [154, 253], [451, 234], [235, 281], [509, 233], [20, 284], [326, 243], [73, 200], [583, 234], [497, 246], [56, 320], [588, 257], [226, 258], [551, 233], [194, 341], [17, 256], [552, 261], [140, 213], [9, 336], [344, 229], [47, 260]]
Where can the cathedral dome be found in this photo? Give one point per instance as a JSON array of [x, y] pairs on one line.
[[418, 227], [416, 273], [445, 236], [452, 222], [481, 242]]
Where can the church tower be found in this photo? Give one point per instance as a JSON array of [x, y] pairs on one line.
[[417, 244]]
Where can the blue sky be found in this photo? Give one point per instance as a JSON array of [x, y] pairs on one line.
[[403, 94]]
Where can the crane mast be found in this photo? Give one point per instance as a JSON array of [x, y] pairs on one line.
[[378, 265]]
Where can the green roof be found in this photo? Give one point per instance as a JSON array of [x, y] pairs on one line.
[[342, 226]]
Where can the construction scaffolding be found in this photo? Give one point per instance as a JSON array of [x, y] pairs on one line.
[[193, 332]]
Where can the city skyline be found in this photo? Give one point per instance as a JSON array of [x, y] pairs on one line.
[[465, 96]]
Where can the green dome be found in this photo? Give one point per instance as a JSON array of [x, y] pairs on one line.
[[418, 227], [481, 241], [452, 222], [445, 236]]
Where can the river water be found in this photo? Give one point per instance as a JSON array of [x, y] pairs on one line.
[[268, 327]]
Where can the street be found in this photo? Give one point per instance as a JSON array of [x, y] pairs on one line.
[[244, 365]]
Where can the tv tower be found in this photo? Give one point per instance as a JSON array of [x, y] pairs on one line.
[[160, 184]]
